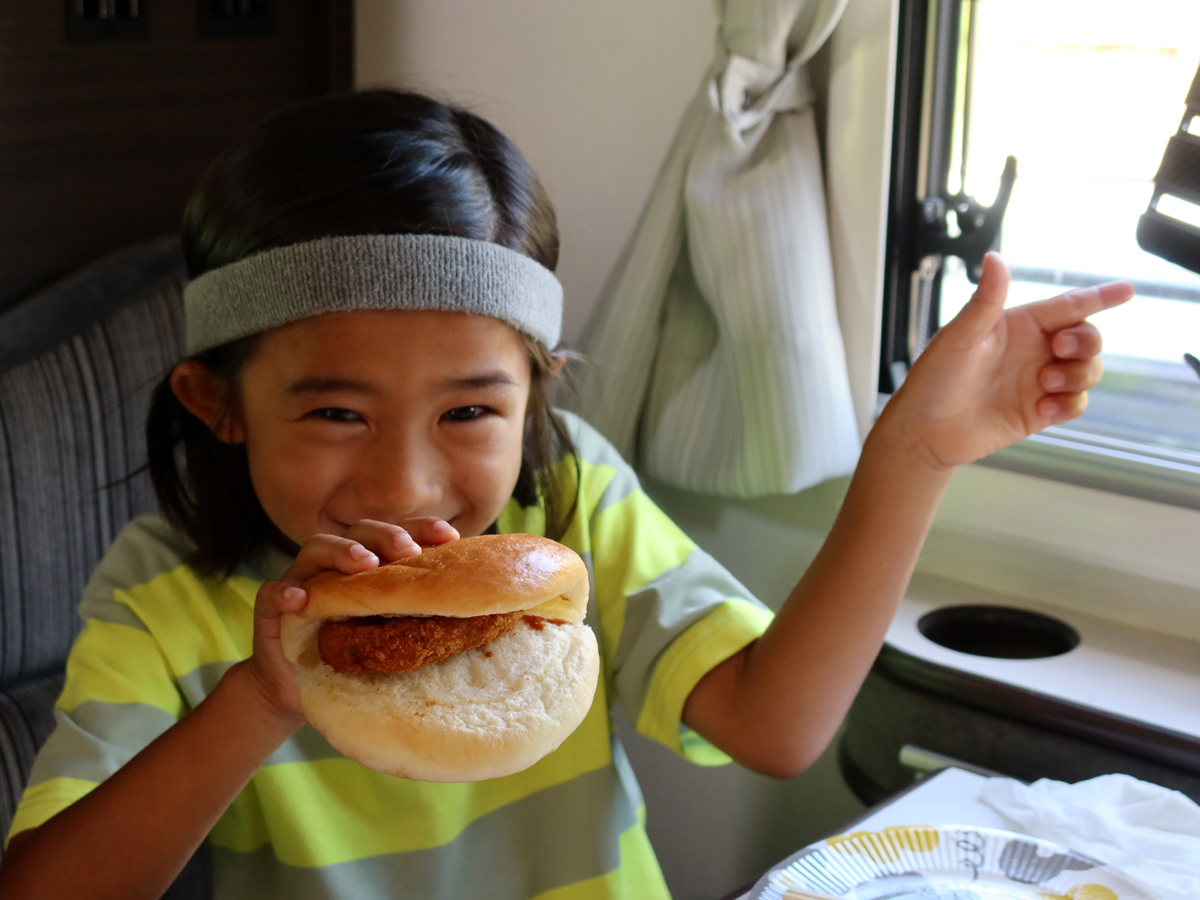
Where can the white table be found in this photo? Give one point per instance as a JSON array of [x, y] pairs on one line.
[[951, 797]]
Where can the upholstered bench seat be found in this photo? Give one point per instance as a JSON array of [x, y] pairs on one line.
[[78, 363]]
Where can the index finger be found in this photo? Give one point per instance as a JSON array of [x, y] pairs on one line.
[[323, 552], [1076, 305], [429, 531]]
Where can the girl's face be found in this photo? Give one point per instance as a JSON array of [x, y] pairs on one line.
[[384, 415]]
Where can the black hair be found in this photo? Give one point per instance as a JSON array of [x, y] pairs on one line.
[[372, 162]]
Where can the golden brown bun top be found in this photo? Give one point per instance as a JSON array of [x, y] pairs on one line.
[[473, 576]]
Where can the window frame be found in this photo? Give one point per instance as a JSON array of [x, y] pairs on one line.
[[928, 83]]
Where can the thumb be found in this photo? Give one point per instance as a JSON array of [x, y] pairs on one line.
[[274, 599], [976, 320]]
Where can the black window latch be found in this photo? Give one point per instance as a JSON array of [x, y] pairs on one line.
[[978, 225]]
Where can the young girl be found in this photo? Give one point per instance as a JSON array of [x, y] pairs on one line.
[[370, 326]]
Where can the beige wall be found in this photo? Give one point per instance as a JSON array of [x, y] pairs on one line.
[[590, 92]]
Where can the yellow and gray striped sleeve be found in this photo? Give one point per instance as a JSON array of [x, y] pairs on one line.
[[666, 611], [119, 693]]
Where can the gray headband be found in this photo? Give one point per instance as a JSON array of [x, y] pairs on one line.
[[376, 271]]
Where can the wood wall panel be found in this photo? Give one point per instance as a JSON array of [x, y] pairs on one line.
[[100, 143]]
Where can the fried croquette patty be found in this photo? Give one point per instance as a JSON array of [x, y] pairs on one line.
[[403, 643]]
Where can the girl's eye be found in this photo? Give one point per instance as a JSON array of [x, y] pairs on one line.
[[336, 414], [465, 413]]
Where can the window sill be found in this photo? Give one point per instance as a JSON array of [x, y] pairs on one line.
[[1119, 467], [1123, 559]]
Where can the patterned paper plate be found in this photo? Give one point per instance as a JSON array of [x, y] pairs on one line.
[[947, 862]]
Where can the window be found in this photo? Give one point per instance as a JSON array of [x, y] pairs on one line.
[[1085, 94]]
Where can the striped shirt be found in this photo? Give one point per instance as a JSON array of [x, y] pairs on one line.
[[313, 824]]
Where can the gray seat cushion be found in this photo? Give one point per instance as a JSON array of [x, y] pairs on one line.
[[72, 423], [78, 363], [26, 720]]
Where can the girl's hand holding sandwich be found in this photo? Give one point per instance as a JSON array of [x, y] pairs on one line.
[[365, 545]]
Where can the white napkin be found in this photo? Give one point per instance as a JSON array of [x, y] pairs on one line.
[[1150, 832]]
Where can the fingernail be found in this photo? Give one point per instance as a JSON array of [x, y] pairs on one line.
[[1049, 409], [1054, 380], [358, 551], [1068, 344], [403, 538], [293, 593]]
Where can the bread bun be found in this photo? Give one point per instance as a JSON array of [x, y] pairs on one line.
[[474, 576], [482, 713]]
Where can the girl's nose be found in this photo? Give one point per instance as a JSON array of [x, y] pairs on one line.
[[402, 478]]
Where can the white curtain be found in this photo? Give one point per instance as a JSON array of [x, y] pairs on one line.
[[718, 363]]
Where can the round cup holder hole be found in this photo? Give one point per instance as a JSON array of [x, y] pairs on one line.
[[1001, 632]]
